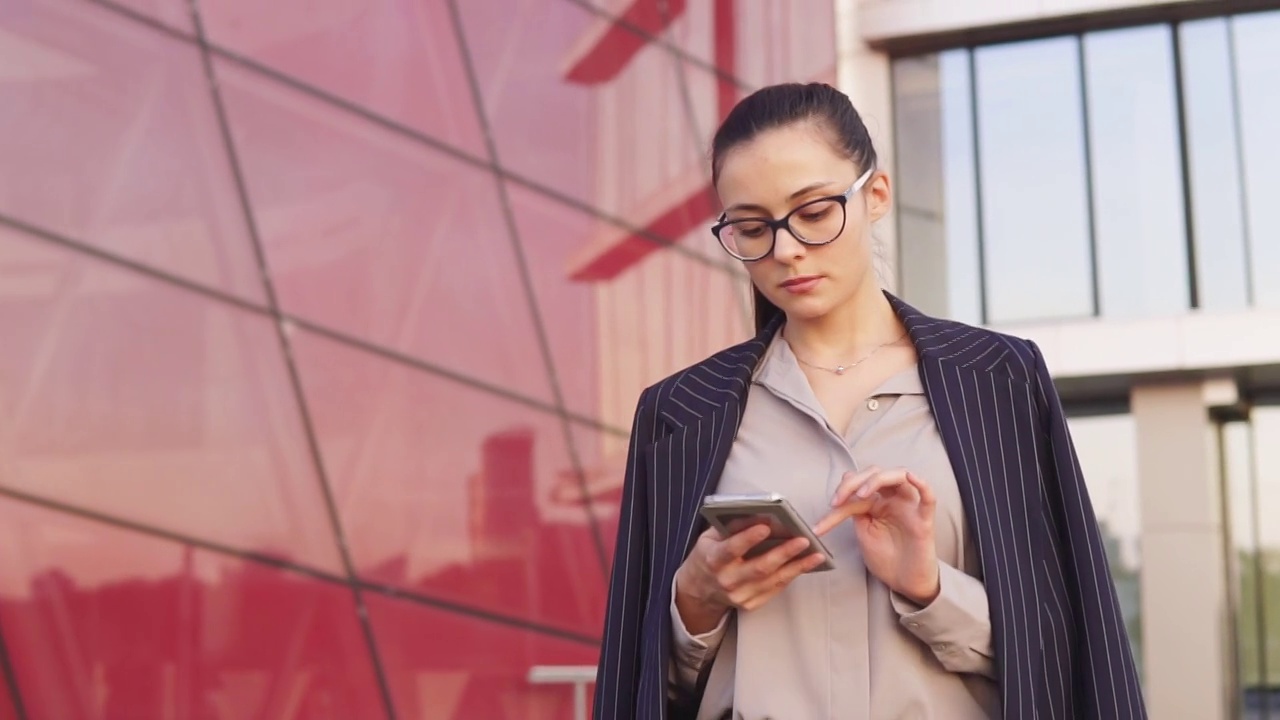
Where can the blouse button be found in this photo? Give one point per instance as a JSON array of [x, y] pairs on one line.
[[873, 404]]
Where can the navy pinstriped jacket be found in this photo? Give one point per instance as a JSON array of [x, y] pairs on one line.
[[1062, 652]]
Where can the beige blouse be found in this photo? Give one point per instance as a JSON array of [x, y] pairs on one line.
[[840, 644]]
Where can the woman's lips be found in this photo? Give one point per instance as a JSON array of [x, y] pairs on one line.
[[801, 285]]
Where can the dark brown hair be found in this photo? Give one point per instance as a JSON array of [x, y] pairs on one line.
[[777, 106]]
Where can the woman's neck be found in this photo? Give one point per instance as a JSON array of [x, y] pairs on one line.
[[865, 322]]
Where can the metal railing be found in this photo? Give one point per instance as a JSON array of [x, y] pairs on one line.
[[580, 676]]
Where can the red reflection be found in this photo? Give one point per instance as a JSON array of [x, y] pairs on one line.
[[128, 396], [398, 59], [7, 711], [445, 666], [113, 129], [166, 631], [452, 491], [545, 127], [383, 238]]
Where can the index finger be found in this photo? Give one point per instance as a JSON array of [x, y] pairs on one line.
[[839, 515]]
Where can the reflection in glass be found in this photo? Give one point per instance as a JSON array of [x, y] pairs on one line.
[[1252, 464], [133, 398], [111, 623], [1213, 164], [1135, 161], [1107, 449], [1035, 205], [452, 665], [937, 199], [398, 60], [453, 492], [110, 138], [382, 238], [1257, 67]]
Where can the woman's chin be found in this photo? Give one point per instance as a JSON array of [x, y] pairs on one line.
[[803, 309]]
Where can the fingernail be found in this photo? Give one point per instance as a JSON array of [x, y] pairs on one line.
[[864, 491]]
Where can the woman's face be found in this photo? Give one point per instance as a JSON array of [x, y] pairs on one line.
[[780, 170]]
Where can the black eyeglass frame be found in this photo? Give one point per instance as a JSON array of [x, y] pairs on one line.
[[785, 221]]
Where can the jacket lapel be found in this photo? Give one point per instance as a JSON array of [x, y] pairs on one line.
[[704, 407]]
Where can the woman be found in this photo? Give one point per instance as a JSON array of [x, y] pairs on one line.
[[933, 458]]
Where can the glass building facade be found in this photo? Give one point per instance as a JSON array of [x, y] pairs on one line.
[[1120, 173], [323, 323]]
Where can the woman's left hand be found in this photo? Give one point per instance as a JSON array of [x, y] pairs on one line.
[[892, 512]]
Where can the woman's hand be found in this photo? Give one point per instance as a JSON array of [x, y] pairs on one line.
[[892, 512], [716, 578]]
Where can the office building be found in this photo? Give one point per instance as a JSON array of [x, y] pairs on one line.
[[322, 323]]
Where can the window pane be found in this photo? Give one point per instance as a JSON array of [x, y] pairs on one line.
[[395, 59], [103, 622], [110, 138], [1213, 160], [1257, 66], [449, 491], [1136, 165], [937, 194], [382, 238], [1239, 485], [141, 401], [1266, 447], [442, 665], [1107, 448], [1035, 208]]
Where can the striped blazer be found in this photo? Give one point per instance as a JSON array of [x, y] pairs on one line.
[[1062, 652]]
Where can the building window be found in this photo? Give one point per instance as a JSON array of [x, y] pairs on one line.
[[1122, 173], [1136, 169], [1031, 163]]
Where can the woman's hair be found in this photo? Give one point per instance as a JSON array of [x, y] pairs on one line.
[[778, 106]]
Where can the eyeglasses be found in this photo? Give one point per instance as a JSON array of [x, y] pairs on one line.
[[817, 222]]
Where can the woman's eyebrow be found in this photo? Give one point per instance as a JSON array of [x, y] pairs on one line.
[[802, 191]]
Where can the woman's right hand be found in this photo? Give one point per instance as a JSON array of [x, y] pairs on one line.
[[716, 578]]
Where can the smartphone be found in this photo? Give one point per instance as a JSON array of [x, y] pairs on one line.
[[731, 514]]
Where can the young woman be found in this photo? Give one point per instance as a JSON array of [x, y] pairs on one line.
[[933, 458]]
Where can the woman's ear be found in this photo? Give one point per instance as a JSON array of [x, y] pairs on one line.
[[879, 192]]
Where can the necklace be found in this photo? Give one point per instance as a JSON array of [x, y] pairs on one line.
[[841, 369]]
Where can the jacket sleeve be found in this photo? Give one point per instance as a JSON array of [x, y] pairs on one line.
[[1104, 677], [617, 674]]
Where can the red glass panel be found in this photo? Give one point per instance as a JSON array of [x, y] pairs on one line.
[[604, 466], [7, 711], [174, 13], [117, 144], [630, 146], [397, 59], [447, 666], [543, 125], [384, 239], [759, 43], [447, 490], [131, 397], [105, 623], [553, 235]]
